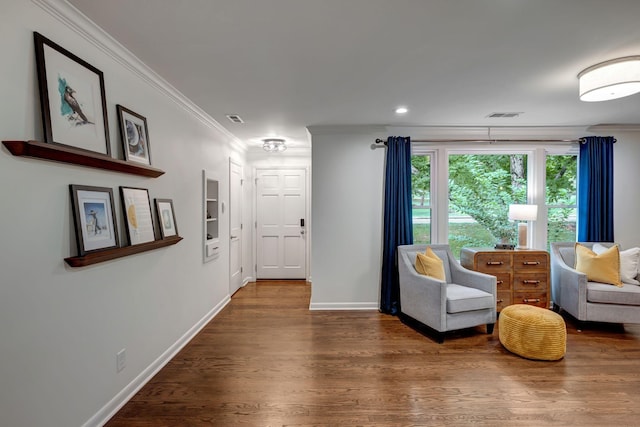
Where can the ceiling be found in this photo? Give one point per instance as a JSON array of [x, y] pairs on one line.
[[285, 65]]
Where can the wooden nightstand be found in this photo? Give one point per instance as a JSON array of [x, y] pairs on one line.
[[523, 275]]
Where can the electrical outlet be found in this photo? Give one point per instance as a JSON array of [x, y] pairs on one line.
[[121, 359]]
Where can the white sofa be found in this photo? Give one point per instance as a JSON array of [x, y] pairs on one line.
[[589, 301]]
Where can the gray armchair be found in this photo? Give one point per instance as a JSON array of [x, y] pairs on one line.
[[466, 299], [589, 301]]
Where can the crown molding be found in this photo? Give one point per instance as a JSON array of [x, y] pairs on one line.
[[347, 130], [614, 127], [72, 18], [489, 132], [457, 132]]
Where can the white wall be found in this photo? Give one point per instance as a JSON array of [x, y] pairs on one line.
[[347, 212], [346, 215], [626, 194], [60, 327]]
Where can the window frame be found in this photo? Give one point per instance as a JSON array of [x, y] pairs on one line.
[[536, 180]]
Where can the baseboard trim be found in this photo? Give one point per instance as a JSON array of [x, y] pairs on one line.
[[101, 417], [343, 306]]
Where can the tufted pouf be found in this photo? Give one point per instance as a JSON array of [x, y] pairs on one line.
[[532, 332]]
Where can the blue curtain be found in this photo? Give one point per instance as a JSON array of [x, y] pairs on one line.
[[595, 189], [398, 226]]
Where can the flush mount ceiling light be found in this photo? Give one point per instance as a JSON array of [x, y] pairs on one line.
[[274, 145], [611, 79], [402, 110]]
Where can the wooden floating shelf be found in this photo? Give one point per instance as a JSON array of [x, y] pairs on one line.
[[109, 254], [75, 156]]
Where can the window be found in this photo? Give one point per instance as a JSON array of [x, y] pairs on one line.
[[421, 195], [481, 188], [462, 192], [561, 198]]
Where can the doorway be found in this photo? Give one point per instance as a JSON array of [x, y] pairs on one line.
[[281, 225], [235, 226]]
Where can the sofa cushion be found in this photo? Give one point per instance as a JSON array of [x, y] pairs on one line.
[[429, 264], [463, 298], [602, 293], [628, 263], [413, 255], [603, 268]]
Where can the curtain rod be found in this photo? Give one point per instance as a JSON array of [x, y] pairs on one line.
[[489, 141]]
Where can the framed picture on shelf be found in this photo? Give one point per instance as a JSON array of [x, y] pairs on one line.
[[135, 136], [166, 217], [94, 218], [137, 212], [72, 98]]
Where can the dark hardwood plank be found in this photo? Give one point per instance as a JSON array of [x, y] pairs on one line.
[[266, 360]]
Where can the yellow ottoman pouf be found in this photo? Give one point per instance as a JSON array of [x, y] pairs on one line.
[[532, 332]]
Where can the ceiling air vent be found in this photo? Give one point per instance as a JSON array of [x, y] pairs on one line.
[[235, 118], [503, 115]]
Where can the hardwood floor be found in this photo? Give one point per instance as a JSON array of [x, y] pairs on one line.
[[266, 360]]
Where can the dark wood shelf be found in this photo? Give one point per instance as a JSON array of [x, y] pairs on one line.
[[75, 156], [109, 254]]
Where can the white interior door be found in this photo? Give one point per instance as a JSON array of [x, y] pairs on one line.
[[281, 217], [235, 227]]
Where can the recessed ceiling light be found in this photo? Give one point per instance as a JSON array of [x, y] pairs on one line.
[[402, 110]]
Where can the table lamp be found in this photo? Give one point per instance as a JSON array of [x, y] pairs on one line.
[[523, 213]]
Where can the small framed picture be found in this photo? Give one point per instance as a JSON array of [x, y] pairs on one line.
[[72, 99], [166, 217], [137, 213], [94, 218], [135, 136]]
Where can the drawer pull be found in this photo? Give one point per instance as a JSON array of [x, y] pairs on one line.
[[528, 300], [495, 262], [499, 301], [531, 282], [531, 263], [500, 282]]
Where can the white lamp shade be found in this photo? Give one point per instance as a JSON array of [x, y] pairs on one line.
[[610, 80], [523, 212]]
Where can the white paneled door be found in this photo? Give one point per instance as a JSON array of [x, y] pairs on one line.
[[281, 224], [235, 227]]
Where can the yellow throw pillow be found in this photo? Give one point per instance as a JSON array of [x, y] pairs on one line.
[[430, 264], [603, 268]]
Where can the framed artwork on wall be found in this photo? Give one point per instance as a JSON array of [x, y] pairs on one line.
[[166, 218], [72, 98], [137, 212], [135, 136], [94, 218]]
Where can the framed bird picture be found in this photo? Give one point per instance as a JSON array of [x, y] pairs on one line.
[[135, 136], [94, 217], [72, 99]]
